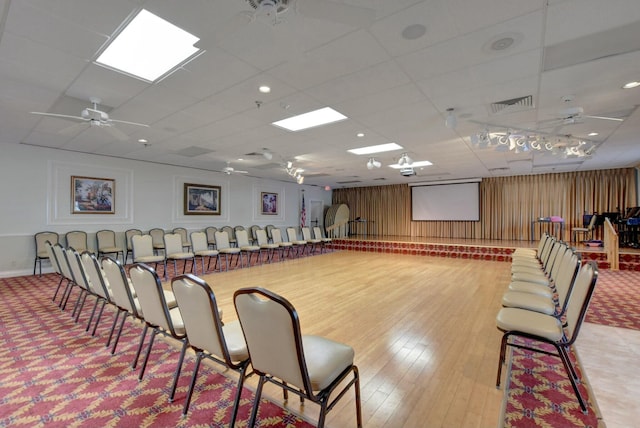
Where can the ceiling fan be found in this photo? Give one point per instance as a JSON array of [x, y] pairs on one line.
[[231, 170], [92, 117]]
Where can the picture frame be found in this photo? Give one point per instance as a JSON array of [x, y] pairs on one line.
[[201, 199], [92, 195], [268, 203]]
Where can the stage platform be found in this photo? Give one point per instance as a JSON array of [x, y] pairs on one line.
[[473, 249]]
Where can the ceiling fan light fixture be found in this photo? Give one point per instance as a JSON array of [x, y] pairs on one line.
[[451, 121]]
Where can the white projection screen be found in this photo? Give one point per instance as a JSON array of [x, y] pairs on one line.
[[448, 202]]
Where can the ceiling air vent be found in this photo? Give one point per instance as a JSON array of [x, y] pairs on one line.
[[520, 103]]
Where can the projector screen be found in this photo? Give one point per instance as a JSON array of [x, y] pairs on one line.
[[455, 202]]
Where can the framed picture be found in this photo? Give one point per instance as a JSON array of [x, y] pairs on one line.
[[201, 199], [90, 195], [268, 203]]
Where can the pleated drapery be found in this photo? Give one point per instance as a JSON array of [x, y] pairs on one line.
[[507, 204]]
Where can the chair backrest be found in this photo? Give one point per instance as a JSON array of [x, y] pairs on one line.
[[157, 236], [55, 264], [261, 237], [306, 233], [222, 240], [148, 288], [592, 222], [106, 239], [142, 246], [581, 293], [65, 269], [269, 228], [77, 239], [317, 233], [292, 235], [99, 284], [129, 234], [76, 268], [199, 242], [272, 331], [117, 277], [211, 234], [41, 238], [243, 238], [199, 311], [172, 243], [254, 228], [183, 235], [231, 236], [276, 235], [569, 266]]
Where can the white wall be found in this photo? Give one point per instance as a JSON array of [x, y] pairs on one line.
[[36, 196]]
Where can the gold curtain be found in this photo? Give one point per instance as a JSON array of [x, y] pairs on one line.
[[507, 204]]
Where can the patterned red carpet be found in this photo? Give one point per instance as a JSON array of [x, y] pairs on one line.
[[54, 374], [616, 301]]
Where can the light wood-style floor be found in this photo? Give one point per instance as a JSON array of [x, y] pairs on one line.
[[423, 330]]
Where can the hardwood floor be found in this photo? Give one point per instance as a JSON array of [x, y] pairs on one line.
[[423, 330]]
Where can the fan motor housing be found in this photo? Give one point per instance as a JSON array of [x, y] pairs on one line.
[[280, 5]]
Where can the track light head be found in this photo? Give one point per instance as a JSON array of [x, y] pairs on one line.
[[373, 163]]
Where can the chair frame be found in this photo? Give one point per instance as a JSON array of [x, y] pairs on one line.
[[322, 398], [69, 236], [204, 252], [128, 234], [585, 230], [41, 239], [174, 256], [103, 250]]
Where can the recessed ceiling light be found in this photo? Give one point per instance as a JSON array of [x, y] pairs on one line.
[[142, 140], [414, 31], [375, 149], [631, 85], [592, 134], [360, 134], [264, 89], [149, 47], [414, 164], [311, 119]]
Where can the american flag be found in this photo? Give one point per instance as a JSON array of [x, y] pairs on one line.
[[303, 214]]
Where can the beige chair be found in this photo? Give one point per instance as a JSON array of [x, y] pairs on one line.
[[264, 244], [246, 248], [537, 328], [312, 367], [186, 245], [298, 244], [56, 267], [41, 250], [207, 335], [143, 252], [174, 251], [253, 230], [269, 228], [211, 236], [80, 279], [65, 270], [77, 239], [587, 232], [313, 242], [201, 249], [128, 234], [276, 237], [157, 315], [230, 234], [157, 236], [107, 243], [225, 248], [317, 233], [99, 286]]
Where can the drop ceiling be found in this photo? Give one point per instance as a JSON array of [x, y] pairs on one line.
[[392, 88]]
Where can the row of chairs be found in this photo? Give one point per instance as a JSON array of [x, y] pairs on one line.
[[266, 337], [107, 242], [546, 303]]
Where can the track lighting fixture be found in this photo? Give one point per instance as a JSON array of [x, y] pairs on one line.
[[373, 163], [296, 173], [451, 121], [405, 160]]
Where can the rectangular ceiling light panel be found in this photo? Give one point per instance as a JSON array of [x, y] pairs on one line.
[[414, 164], [149, 47], [375, 149], [311, 119]]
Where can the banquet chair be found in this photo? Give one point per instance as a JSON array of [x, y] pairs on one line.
[[312, 367], [107, 243], [231, 236], [264, 244], [174, 251], [211, 236], [317, 233], [143, 252], [157, 236], [225, 248], [65, 270], [77, 239], [81, 280], [313, 242], [208, 336], [157, 316], [534, 327], [41, 250], [268, 228], [185, 237], [242, 239], [298, 244], [56, 267], [98, 284], [253, 230], [128, 234], [201, 249], [587, 231], [276, 235]]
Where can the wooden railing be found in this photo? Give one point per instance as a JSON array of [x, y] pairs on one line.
[[611, 245], [338, 230]]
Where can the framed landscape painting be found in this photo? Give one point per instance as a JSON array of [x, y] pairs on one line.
[[201, 199], [90, 195], [269, 203]]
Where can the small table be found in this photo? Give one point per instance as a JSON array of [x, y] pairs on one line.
[[551, 224], [359, 221]]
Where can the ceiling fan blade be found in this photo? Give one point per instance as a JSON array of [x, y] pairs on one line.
[[73, 129], [62, 116], [331, 11], [115, 132], [617, 119], [129, 123]]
